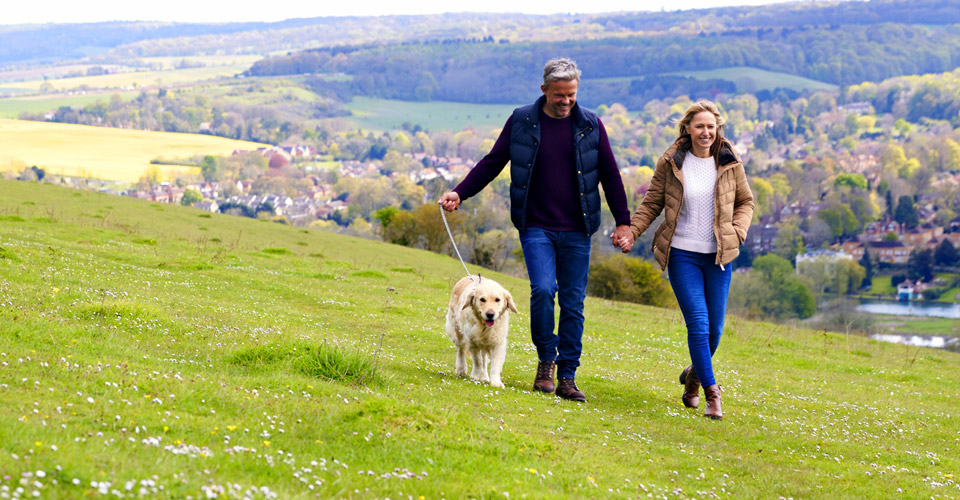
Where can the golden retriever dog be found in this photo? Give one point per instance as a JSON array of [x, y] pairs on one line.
[[477, 324]]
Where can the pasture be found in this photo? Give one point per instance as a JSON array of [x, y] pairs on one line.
[[754, 79], [385, 114], [11, 107], [128, 81], [749, 79], [173, 62], [101, 152], [158, 351]]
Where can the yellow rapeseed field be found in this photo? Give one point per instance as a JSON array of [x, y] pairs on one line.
[[101, 152]]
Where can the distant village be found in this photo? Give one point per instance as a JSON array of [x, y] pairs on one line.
[[317, 204], [886, 240]]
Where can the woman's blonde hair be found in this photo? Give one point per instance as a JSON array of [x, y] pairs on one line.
[[699, 107]]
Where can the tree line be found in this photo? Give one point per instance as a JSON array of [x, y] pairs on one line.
[[499, 73]]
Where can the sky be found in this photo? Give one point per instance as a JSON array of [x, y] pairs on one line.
[[74, 11]]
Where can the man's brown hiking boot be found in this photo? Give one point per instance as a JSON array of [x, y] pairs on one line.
[[544, 380], [567, 389]]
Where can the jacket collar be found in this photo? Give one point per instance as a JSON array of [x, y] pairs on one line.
[[678, 152], [578, 117]]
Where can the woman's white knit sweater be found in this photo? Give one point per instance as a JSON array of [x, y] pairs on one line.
[[695, 223]]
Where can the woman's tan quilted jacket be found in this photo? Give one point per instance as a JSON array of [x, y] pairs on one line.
[[733, 203]]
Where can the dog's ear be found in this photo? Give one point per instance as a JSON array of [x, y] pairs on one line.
[[510, 304], [467, 298]]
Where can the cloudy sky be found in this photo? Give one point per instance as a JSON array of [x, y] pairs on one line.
[[74, 11]]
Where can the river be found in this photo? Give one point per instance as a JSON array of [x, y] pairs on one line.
[[912, 308], [949, 341]]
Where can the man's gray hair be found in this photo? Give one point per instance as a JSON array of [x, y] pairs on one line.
[[560, 68]]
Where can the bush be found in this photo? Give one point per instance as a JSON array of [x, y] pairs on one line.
[[629, 279], [841, 315], [771, 290], [932, 293]]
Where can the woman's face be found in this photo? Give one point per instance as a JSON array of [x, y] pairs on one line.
[[703, 131]]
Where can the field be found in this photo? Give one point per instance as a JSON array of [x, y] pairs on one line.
[[383, 114], [12, 107], [919, 325], [128, 81], [157, 351], [101, 152], [754, 79], [750, 79], [168, 63]]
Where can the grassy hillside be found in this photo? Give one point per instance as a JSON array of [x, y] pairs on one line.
[[129, 80], [754, 79], [385, 114], [11, 107], [101, 152], [157, 351], [747, 79]]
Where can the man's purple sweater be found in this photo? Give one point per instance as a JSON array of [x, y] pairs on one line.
[[553, 197]]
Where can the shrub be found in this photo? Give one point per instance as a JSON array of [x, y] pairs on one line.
[[629, 279]]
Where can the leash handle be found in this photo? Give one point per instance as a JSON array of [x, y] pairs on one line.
[[445, 224]]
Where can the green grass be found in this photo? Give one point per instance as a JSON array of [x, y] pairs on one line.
[[132, 79], [383, 114], [950, 294], [882, 285], [12, 107], [919, 325], [197, 364], [753, 79]]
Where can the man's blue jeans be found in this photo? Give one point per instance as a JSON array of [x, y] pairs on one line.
[[557, 263], [701, 288]]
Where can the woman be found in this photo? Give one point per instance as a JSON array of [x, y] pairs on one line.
[[701, 185]]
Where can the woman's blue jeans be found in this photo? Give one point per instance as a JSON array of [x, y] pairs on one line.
[[557, 263], [701, 288]]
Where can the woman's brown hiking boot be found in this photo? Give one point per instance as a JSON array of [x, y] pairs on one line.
[[712, 395], [691, 387]]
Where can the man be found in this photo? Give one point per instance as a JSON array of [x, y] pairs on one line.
[[559, 154]]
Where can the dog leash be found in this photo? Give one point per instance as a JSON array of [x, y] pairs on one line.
[[445, 224]]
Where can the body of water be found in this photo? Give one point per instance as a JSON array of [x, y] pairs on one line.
[[912, 308], [935, 341]]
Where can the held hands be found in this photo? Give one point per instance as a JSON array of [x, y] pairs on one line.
[[449, 201], [622, 238]]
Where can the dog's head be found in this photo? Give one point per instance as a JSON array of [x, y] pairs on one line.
[[488, 300]]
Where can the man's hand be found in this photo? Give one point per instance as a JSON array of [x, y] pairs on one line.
[[622, 238], [450, 201]]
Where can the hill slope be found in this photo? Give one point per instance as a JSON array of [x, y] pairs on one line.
[[153, 350]]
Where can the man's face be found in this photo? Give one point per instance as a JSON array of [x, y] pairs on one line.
[[561, 96]]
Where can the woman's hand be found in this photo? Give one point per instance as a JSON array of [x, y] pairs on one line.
[[622, 238]]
